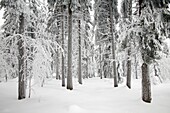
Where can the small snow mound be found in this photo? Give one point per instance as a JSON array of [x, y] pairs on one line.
[[76, 109]]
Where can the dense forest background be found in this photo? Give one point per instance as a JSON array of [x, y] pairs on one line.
[[79, 39]]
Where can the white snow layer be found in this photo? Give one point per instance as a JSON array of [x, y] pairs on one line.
[[94, 96]]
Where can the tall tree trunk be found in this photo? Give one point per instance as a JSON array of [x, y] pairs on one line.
[[21, 63], [146, 85], [79, 66], [127, 14], [113, 44], [69, 74], [62, 25], [136, 62]]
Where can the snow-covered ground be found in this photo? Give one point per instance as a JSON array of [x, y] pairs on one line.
[[94, 96]]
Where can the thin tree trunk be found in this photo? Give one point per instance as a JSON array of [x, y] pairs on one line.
[[118, 73], [79, 66], [136, 67], [87, 65], [69, 74], [6, 76], [63, 69], [57, 65], [100, 70], [146, 85], [30, 77], [113, 45], [21, 59]]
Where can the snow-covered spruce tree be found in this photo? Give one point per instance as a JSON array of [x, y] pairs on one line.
[[113, 19], [106, 16], [151, 38], [127, 16], [84, 30], [102, 35], [28, 21], [57, 26], [3, 63], [15, 16], [73, 18], [54, 27], [57, 29], [9, 27], [87, 36]]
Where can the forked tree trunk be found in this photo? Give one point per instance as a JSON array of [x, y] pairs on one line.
[[69, 74], [79, 66], [62, 70], [113, 45], [146, 85], [21, 62]]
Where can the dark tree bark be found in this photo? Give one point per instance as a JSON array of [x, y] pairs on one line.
[[69, 74], [100, 59], [62, 25], [128, 81], [136, 67], [79, 66], [6, 77], [21, 62], [146, 85], [113, 44], [127, 13], [129, 16]]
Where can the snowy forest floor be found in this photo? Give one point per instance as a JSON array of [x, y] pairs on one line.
[[94, 96]]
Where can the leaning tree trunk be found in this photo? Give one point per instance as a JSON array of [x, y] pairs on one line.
[[79, 66], [113, 44], [21, 62], [69, 74], [62, 25], [146, 85]]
